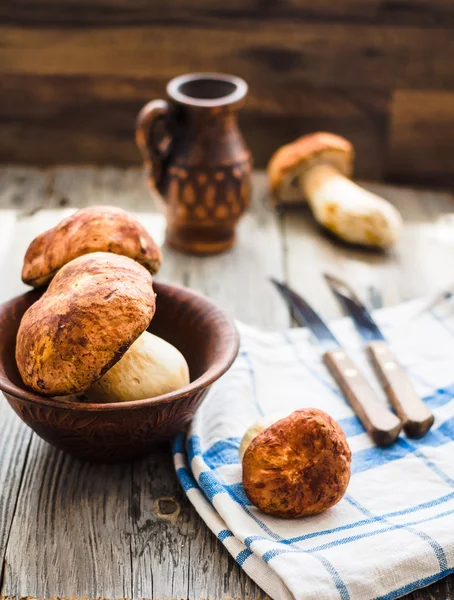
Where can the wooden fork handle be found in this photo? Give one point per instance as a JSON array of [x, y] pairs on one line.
[[380, 423], [416, 417]]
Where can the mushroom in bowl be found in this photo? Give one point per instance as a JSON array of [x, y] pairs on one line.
[[93, 310], [111, 431], [87, 334], [93, 229]]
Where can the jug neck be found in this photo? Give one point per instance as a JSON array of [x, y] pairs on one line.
[[189, 121]]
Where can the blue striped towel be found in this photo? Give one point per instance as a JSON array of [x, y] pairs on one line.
[[393, 531]]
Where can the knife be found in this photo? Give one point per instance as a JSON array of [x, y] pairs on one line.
[[416, 417], [380, 423]]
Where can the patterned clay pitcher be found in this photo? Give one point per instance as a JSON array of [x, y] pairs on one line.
[[201, 165]]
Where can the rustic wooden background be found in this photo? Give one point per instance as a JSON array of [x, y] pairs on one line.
[[73, 74]]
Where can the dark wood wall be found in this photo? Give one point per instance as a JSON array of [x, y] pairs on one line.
[[73, 74]]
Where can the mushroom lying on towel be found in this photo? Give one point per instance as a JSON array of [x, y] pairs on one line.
[[95, 229], [317, 167], [296, 466]]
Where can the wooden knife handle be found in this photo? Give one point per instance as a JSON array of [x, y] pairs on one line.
[[380, 423], [416, 417]]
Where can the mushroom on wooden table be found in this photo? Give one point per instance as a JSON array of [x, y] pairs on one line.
[[318, 167]]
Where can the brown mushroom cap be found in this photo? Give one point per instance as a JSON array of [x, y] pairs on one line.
[[95, 229], [313, 149], [94, 309], [298, 466]]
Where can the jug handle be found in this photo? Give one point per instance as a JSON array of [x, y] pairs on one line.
[[155, 152]]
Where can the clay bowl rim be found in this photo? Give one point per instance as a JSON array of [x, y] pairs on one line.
[[227, 331]]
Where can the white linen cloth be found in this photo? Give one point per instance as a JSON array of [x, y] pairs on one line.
[[393, 531]]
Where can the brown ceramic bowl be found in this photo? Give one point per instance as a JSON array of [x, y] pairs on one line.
[[108, 432]]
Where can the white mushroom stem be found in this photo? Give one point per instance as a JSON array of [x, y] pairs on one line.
[[255, 429], [149, 368], [348, 210]]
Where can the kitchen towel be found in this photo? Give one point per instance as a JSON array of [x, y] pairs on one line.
[[393, 531]]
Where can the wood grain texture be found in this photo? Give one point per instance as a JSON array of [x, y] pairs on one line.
[[80, 530], [311, 54], [80, 119], [82, 12], [173, 554], [421, 141], [15, 438], [14, 448], [71, 521]]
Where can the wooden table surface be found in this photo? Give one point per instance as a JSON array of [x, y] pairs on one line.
[[73, 529]]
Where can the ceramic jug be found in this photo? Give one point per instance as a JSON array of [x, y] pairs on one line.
[[197, 159]]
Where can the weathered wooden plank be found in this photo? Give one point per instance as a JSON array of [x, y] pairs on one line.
[[15, 437], [426, 248], [173, 553], [21, 191], [302, 60], [441, 590], [23, 231], [204, 12], [7, 226], [14, 446], [23, 194], [230, 582], [311, 54], [92, 119], [274, 116], [81, 187], [421, 141], [70, 535], [23, 188]]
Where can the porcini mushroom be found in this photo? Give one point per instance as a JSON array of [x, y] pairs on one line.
[[149, 368], [95, 229], [318, 167], [254, 430], [297, 466], [94, 309]]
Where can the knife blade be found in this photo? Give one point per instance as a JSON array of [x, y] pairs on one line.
[[305, 315], [416, 417], [380, 423]]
